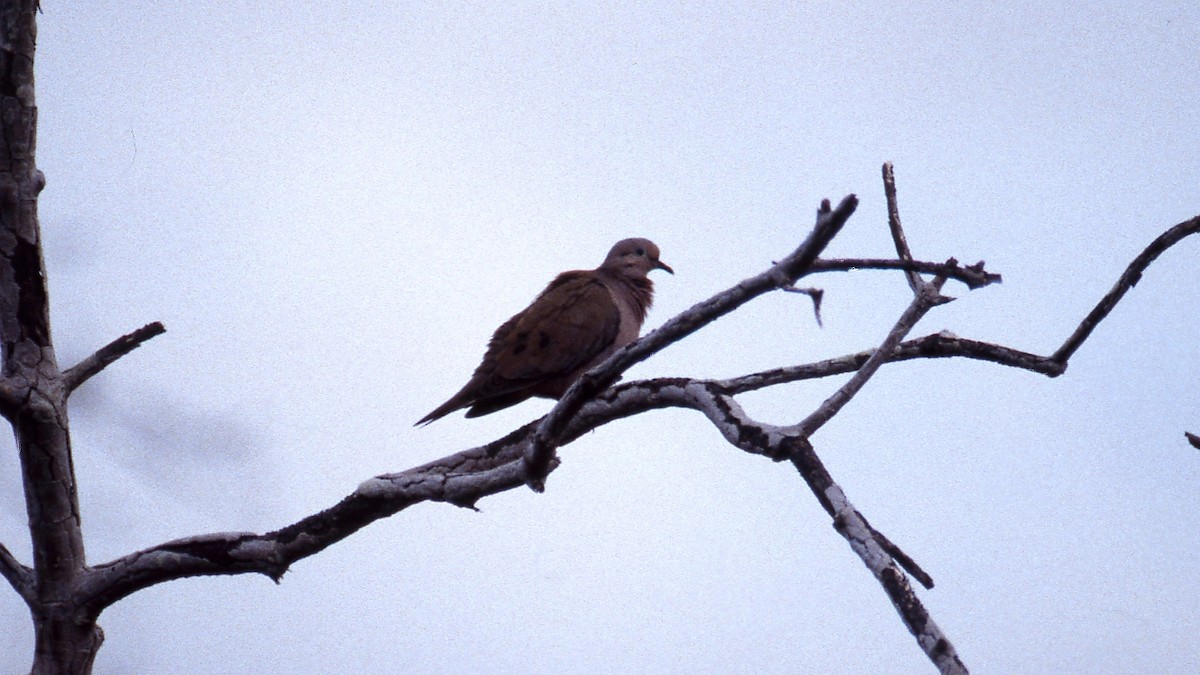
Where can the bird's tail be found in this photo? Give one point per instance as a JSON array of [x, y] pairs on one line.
[[441, 411]]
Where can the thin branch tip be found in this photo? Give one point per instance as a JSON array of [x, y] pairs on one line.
[[106, 355], [815, 294], [897, 231], [1127, 280]]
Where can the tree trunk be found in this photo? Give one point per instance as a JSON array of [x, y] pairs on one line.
[[64, 646], [32, 393]]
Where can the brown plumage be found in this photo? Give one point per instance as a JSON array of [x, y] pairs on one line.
[[578, 321]]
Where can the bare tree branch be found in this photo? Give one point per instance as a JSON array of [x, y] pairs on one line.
[[82, 371], [902, 250], [815, 294], [715, 402], [66, 596], [527, 455], [876, 550], [1128, 280], [18, 575], [868, 544], [461, 479], [464, 478], [944, 345], [973, 277], [938, 345], [926, 296]]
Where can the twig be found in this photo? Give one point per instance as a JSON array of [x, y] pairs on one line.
[[864, 541], [946, 345], [927, 297], [908, 564], [973, 276], [1128, 280], [816, 294], [85, 369], [902, 250], [938, 345]]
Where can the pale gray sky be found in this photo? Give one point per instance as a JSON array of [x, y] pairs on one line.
[[331, 207]]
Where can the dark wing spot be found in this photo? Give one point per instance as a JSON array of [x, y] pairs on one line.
[[543, 340], [522, 340]]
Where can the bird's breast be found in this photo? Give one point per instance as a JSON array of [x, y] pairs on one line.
[[631, 318]]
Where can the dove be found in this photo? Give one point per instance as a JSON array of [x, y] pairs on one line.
[[580, 319]]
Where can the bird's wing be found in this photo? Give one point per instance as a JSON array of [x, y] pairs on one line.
[[571, 322], [567, 326]]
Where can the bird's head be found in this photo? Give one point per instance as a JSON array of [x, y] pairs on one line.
[[635, 258]]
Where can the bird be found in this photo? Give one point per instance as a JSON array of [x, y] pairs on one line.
[[580, 319]]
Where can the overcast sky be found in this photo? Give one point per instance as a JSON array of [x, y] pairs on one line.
[[331, 207]]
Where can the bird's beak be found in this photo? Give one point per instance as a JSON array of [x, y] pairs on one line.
[[658, 264]]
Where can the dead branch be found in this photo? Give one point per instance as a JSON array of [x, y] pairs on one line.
[[973, 277], [1128, 280], [464, 478], [461, 479], [938, 345], [814, 294], [874, 552], [18, 575], [898, 238], [80, 372], [926, 296]]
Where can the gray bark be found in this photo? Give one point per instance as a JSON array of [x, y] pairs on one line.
[[32, 393]]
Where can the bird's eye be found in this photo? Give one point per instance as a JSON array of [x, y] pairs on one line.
[[641, 251]]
